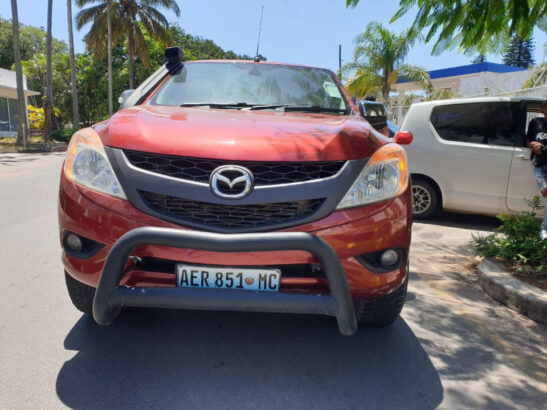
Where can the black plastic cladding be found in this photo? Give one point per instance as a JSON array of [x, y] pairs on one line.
[[265, 173], [134, 179]]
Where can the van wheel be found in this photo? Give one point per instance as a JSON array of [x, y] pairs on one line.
[[81, 294], [425, 199], [381, 311]]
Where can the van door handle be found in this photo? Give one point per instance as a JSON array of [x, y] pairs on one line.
[[523, 157]]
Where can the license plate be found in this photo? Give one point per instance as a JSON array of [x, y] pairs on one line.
[[192, 276]]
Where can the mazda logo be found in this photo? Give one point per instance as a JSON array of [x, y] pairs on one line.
[[231, 181]]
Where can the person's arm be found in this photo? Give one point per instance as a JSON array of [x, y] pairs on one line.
[[531, 142]]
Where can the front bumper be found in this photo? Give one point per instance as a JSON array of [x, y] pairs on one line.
[[110, 297], [351, 232]]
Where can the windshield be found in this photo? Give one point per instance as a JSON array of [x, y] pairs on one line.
[[240, 85]]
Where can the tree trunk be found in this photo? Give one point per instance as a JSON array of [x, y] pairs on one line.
[[22, 123], [109, 39], [75, 111], [130, 49], [51, 123], [385, 92]]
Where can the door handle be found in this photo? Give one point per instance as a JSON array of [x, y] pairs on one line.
[[523, 157]]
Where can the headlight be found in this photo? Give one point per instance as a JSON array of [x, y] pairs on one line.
[[385, 176], [87, 164]]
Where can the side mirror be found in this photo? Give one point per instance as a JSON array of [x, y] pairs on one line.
[[124, 96], [403, 138]]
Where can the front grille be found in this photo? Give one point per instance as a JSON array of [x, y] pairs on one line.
[[230, 217], [265, 173]]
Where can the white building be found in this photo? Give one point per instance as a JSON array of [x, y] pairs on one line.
[[473, 79], [8, 102]]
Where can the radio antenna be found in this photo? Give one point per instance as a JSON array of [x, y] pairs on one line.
[[257, 59]]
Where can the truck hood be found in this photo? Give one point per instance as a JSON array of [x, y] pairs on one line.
[[240, 134]]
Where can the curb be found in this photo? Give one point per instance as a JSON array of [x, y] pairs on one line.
[[522, 297]]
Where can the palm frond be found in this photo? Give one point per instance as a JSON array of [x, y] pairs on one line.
[[89, 15], [538, 77], [417, 74], [141, 50], [167, 4]]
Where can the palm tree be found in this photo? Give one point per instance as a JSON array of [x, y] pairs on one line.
[[379, 59], [129, 17], [537, 78], [48, 103], [109, 47], [21, 109], [75, 111]]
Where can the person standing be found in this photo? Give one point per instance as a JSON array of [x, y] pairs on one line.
[[536, 139]]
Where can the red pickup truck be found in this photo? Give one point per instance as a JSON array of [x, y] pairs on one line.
[[237, 185]]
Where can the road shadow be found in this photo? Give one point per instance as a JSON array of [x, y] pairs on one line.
[[463, 221], [16, 158], [211, 360]]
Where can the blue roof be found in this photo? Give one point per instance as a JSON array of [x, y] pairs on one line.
[[467, 69]]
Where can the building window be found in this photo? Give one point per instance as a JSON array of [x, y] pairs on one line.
[[4, 115], [12, 114], [8, 115]]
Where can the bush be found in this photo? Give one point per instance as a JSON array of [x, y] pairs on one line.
[[61, 135], [517, 240], [36, 118]]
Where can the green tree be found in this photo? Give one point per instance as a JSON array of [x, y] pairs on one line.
[[379, 59], [520, 53], [35, 69], [129, 17], [473, 25], [481, 58], [32, 40]]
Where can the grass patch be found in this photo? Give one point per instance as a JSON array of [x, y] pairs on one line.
[[517, 241]]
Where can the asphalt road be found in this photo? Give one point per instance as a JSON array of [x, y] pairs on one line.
[[453, 347]]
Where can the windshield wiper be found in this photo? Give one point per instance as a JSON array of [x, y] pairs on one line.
[[304, 108], [220, 106]]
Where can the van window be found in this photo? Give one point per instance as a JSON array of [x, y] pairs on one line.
[[477, 123]]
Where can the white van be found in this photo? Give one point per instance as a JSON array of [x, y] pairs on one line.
[[469, 155]]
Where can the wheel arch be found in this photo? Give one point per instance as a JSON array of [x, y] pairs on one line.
[[422, 177]]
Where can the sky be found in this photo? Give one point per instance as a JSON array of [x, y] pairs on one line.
[[293, 31]]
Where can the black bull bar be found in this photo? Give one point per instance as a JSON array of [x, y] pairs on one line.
[[110, 298]]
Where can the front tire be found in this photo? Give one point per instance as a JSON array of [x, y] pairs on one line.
[[382, 311], [81, 294], [425, 199]]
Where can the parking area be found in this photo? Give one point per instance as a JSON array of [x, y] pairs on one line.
[[453, 347]]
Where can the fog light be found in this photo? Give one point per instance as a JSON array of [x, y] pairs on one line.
[[74, 243], [389, 257]]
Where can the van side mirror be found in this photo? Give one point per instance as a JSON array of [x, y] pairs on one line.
[[124, 96]]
